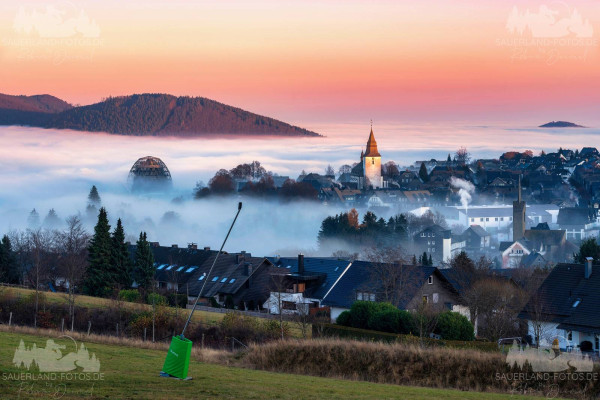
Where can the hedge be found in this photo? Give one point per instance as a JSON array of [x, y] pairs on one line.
[[346, 332]]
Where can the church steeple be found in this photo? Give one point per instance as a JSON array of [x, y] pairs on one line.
[[372, 146]]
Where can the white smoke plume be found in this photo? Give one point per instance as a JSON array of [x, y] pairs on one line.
[[465, 189]]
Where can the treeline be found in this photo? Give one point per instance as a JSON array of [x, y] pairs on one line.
[[257, 182], [156, 114], [373, 230]]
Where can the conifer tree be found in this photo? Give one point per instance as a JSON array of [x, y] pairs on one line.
[[98, 277], [9, 272], [94, 197], [144, 263], [120, 261], [424, 259], [423, 173]]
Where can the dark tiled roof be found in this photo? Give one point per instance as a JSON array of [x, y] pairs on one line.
[[330, 269], [560, 291], [546, 237], [478, 230], [359, 277], [531, 259], [575, 216]]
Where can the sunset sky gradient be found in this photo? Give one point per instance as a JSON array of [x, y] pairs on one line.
[[315, 61]]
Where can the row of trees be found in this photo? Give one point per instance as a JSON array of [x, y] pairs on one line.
[[110, 265], [372, 230]]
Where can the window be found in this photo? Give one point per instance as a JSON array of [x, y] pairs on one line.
[[202, 277], [472, 219], [425, 299], [448, 305], [501, 218], [170, 267], [569, 335], [596, 342], [435, 298], [481, 219], [216, 278], [180, 268], [430, 280], [190, 269], [433, 242], [496, 219], [161, 266], [422, 234], [487, 219], [232, 280], [223, 280], [365, 296], [433, 249], [576, 303]]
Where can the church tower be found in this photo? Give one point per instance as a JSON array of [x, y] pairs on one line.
[[371, 162], [519, 216]]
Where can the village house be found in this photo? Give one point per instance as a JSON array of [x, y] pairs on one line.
[[565, 307]]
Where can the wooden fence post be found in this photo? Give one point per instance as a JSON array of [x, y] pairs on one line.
[[10, 319], [144, 334], [62, 325], [89, 327]]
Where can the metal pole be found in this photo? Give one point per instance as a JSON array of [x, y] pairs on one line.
[[210, 270]]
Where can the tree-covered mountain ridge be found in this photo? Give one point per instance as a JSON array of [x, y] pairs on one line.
[[149, 114]]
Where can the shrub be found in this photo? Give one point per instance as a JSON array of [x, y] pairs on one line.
[[361, 311], [131, 295], [344, 319], [454, 326], [177, 299], [229, 302], [157, 299], [391, 320]]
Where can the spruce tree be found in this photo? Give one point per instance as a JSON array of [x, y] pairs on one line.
[[430, 261], [9, 272], [144, 263], [98, 277], [424, 259], [423, 173], [94, 197], [120, 261]]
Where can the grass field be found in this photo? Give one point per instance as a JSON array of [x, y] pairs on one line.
[[132, 373]]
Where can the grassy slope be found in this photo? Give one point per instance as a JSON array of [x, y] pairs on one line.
[[133, 373], [205, 317]]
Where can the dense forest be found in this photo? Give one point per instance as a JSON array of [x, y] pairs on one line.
[[144, 114]]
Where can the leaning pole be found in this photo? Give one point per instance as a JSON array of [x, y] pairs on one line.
[[178, 357]]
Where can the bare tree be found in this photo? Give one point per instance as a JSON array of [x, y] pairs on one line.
[[462, 156], [387, 270], [425, 318], [72, 244], [40, 244], [279, 285]]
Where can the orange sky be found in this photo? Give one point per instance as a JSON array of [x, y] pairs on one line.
[[311, 60]]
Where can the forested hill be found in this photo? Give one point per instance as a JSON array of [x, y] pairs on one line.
[[29, 110], [165, 115]]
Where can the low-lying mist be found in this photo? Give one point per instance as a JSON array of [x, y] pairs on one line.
[[46, 169]]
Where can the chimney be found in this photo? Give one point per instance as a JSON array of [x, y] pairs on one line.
[[174, 246], [300, 264], [207, 248], [240, 257], [247, 269], [192, 246], [588, 267]]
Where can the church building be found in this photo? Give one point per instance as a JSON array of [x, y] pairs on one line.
[[369, 168]]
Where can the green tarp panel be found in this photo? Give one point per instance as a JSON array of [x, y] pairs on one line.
[[178, 357]]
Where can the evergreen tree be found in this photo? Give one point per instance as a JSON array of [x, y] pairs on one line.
[[120, 261], [423, 173], [94, 197], [144, 263], [98, 279], [424, 259], [414, 260], [51, 221], [430, 263], [588, 248], [9, 271], [449, 159], [33, 221]]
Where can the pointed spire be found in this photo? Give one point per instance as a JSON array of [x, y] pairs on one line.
[[520, 188], [372, 145]]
